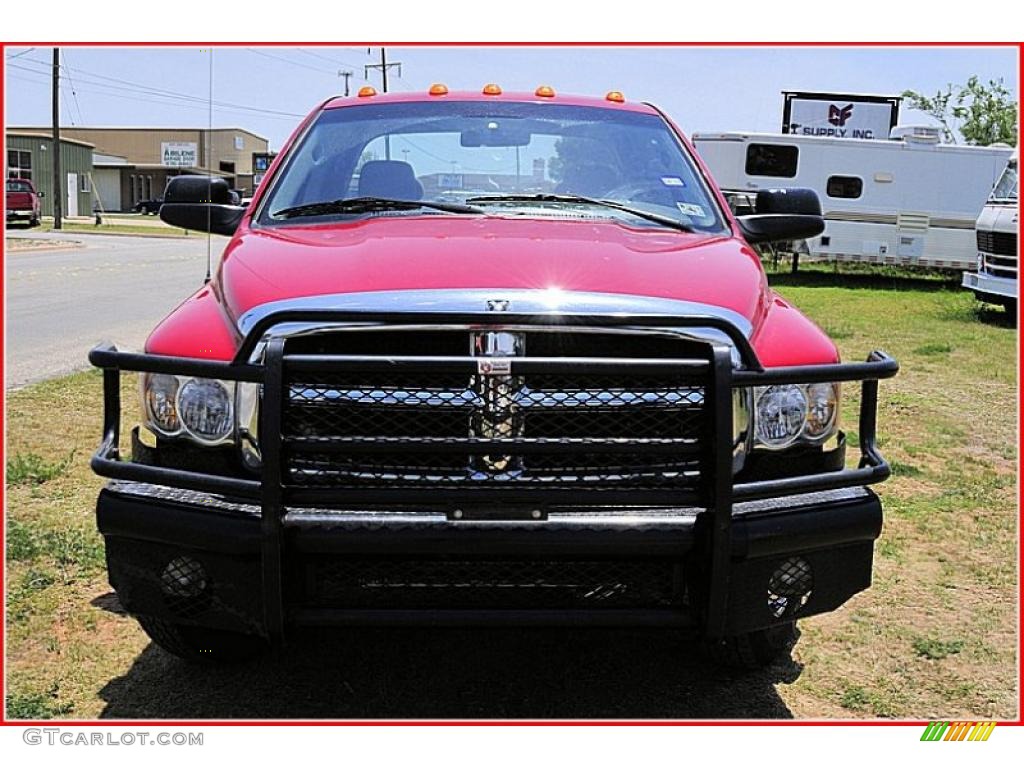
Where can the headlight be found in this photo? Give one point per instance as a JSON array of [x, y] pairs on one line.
[[206, 411], [779, 415], [202, 409], [822, 407], [785, 414], [160, 402]]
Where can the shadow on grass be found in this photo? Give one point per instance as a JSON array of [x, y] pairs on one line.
[[996, 316], [879, 280], [455, 674]]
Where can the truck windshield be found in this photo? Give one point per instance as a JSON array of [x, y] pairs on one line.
[[1006, 187], [507, 158], [18, 186]]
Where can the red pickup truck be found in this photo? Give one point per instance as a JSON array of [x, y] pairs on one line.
[[487, 358], [22, 202]]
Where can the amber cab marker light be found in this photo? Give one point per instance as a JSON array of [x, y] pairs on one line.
[[492, 89], [615, 96], [438, 89], [367, 90], [545, 91]]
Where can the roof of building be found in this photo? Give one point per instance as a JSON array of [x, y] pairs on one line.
[[100, 158], [154, 128], [37, 133]]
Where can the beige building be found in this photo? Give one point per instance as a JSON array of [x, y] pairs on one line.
[[134, 163]]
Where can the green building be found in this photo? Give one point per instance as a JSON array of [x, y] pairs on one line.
[[30, 156]]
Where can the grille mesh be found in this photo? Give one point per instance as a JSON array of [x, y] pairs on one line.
[[997, 243], [616, 431]]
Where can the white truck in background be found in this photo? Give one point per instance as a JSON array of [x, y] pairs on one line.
[[909, 200], [995, 281]]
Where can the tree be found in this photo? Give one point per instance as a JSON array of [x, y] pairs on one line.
[[980, 114]]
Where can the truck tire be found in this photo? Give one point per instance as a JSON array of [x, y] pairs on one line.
[[201, 645], [754, 650]]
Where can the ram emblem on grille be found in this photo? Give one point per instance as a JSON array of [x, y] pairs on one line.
[[497, 389]]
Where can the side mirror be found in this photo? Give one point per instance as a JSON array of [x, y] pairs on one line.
[[783, 214], [40, 195], [202, 204]]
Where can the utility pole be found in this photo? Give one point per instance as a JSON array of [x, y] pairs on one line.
[[346, 75], [384, 66], [58, 197]]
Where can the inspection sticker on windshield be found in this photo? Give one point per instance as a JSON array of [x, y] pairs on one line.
[[691, 209], [672, 181]]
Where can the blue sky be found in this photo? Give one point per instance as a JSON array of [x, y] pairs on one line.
[[267, 90]]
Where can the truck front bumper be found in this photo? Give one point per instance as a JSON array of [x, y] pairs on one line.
[[988, 287], [268, 551], [194, 557]]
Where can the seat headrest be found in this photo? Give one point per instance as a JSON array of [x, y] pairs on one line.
[[389, 178]]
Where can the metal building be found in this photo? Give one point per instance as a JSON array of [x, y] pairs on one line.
[[30, 156]]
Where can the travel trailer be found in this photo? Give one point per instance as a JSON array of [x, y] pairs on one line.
[[909, 200], [996, 278]]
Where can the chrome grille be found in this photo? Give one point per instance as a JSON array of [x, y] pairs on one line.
[[445, 430]]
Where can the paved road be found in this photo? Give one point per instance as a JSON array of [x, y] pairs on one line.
[[110, 288]]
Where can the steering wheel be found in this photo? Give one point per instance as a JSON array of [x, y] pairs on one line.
[[589, 180], [642, 191]]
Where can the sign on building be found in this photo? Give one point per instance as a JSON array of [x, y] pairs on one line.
[[840, 115], [260, 164], [179, 154]]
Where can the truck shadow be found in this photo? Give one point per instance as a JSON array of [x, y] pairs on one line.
[[456, 674]]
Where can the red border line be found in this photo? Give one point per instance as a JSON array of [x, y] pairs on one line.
[[617, 723]]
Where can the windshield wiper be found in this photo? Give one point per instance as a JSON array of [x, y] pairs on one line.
[[369, 205], [542, 197]]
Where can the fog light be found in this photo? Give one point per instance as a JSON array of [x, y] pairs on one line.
[[183, 577], [789, 587]]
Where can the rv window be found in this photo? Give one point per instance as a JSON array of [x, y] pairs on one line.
[[844, 186], [772, 160]]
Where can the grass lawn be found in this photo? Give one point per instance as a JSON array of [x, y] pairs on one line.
[[112, 225], [935, 636]]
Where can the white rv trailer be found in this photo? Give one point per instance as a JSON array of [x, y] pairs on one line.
[[908, 200]]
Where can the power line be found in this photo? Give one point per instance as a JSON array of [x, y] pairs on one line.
[[16, 55], [327, 58], [154, 99], [140, 88], [74, 93], [289, 61], [148, 89]]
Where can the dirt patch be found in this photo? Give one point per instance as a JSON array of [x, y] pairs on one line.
[[19, 244]]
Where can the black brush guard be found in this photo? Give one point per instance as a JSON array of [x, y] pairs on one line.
[[715, 493]]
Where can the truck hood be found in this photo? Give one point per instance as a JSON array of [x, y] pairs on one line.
[[554, 265]]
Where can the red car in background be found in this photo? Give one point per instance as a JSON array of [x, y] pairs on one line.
[[22, 202], [487, 358]]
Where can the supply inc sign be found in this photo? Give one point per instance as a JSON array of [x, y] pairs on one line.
[[179, 154], [840, 115]]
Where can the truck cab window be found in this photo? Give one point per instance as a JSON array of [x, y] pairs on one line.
[[844, 186], [772, 160]]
